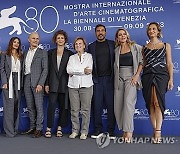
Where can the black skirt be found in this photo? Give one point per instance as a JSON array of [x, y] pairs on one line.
[[155, 76]]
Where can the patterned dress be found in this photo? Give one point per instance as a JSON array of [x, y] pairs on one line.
[[155, 73]]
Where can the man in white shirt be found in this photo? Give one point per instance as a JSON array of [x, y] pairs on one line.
[[35, 70]]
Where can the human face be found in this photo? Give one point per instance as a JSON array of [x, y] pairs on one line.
[[15, 44], [101, 33], [79, 46], [33, 40], [122, 36], [153, 31], [60, 40]]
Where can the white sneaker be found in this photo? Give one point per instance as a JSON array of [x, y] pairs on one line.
[[73, 135], [112, 137], [83, 136]]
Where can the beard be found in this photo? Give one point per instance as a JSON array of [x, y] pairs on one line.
[[100, 37]]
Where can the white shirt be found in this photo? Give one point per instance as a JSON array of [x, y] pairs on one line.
[[75, 69], [28, 60], [15, 64], [58, 61], [15, 67]]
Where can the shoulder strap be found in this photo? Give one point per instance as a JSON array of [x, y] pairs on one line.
[[142, 52], [165, 45]]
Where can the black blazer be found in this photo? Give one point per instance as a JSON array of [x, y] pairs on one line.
[[57, 80], [92, 50]]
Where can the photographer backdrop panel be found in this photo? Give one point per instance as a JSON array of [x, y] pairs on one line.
[[78, 18]]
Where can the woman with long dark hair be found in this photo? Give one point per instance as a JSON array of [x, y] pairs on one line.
[[11, 63]]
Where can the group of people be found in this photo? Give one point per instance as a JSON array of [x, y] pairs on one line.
[[106, 73]]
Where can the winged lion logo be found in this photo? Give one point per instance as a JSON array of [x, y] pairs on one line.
[[6, 21]]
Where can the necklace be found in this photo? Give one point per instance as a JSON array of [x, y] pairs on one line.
[[154, 44]]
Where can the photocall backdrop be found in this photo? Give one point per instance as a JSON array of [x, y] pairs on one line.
[[79, 18]]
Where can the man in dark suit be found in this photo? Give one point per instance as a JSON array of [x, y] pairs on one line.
[[102, 51], [35, 70]]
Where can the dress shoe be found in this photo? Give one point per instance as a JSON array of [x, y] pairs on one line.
[[37, 134], [30, 131], [96, 134], [112, 136]]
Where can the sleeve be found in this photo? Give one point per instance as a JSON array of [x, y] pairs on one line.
[[44, 68], [47, 78], [139, 54], [73, 68], [90, 61], [3, 71]]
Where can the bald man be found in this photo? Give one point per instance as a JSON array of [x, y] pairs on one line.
[[35, 72]]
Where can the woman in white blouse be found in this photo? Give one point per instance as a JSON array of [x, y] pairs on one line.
[[80, 85], [11, 63]]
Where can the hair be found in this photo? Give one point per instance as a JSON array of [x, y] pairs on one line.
[[34, 33], [158, 28], [80, 38], [10, 47], [62, 32], [100, 25], [128, 38]]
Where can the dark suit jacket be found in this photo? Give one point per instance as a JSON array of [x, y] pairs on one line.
[[6, 69], [92, 50], [57, 80], [39, 67]]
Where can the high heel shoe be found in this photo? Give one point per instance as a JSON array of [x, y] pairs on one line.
[[157, 137], [128, 138], [154, 131]]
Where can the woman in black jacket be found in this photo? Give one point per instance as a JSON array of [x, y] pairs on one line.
[[56, 83]]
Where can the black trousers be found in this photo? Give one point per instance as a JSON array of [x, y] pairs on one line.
[[104, 95], [63, 113]]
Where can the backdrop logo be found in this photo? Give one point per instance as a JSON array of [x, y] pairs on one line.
[[103, 140], [57, 112], [1, 111], [24, 112], [176, 1], [104, 114], [6, 21], [141, 114], [177, 45], [175, 67], [178, 91], [171, 114]]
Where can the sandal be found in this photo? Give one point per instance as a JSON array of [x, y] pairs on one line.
[[59, 132], [124, 135], [154, 131], [128, 138], [48, 133], [157, 137]]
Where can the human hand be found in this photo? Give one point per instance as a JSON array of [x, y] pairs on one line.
[[38, 88], [87, 70], [170, 85], [5, 86], [134, 80], [47, 89]]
